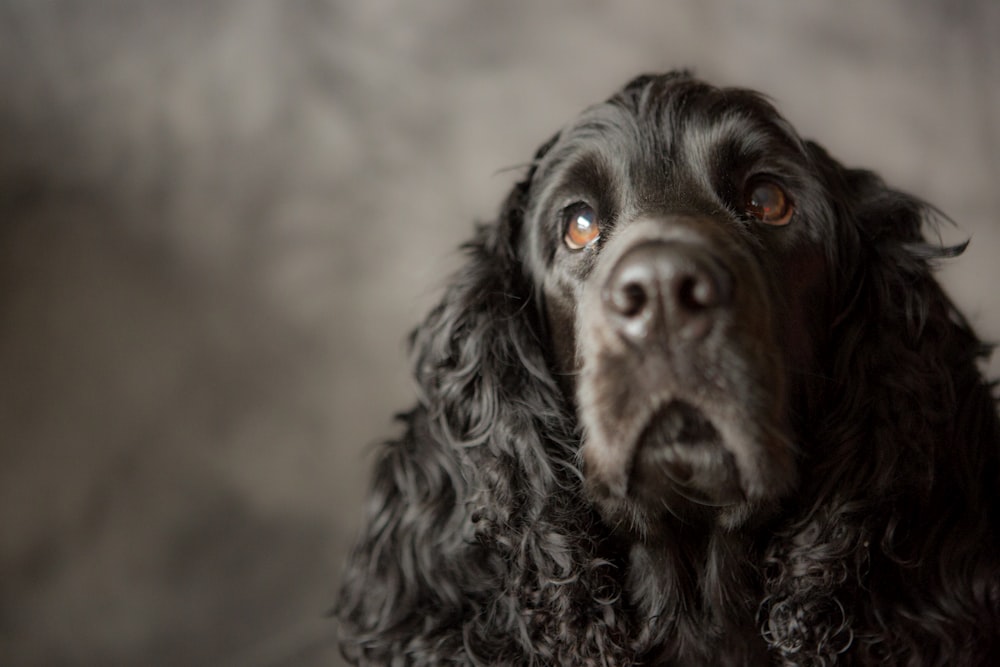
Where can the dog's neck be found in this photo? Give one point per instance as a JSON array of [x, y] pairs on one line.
[[696, 583]]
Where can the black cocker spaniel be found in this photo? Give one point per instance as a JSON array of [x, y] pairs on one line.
[[694, 399]]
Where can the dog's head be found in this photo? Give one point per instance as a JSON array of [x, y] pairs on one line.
[[681, 238]]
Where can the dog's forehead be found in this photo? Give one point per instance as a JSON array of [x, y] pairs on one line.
[[666, 146], [672, 121]]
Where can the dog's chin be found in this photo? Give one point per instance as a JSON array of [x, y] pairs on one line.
[[678, 467], [680, 452]]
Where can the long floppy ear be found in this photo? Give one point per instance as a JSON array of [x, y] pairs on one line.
[[475, 547], [903, 359], [898, 553]]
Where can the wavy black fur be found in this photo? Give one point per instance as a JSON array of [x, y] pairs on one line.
[[484, 545]]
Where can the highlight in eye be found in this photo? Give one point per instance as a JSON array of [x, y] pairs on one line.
[[582, 226], [766, 201]]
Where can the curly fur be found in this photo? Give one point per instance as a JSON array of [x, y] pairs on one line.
[[484, 543]]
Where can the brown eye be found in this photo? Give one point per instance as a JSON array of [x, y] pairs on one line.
[[582, 227], [768, 202]]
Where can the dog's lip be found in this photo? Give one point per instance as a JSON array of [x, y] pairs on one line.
[[677, 422]]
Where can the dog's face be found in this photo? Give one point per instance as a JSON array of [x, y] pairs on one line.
[[680, 236]]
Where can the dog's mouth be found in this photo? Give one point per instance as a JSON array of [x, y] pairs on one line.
[[678, 423], [681, 450]]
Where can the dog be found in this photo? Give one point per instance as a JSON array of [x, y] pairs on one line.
[[695, 398]]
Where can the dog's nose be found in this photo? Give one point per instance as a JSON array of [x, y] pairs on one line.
[[673, 286]]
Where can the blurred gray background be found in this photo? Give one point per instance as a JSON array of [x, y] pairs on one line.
[[218, 221]]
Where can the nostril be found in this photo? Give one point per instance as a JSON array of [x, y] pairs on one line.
[[698, 292], [630, 299]]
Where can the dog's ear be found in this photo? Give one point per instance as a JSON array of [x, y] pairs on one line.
[[894, 330], [905, 432], [903, 339], [884, 263], [484, 339], [471, 509]]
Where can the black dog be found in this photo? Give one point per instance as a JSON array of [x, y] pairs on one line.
[[695, 399]]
